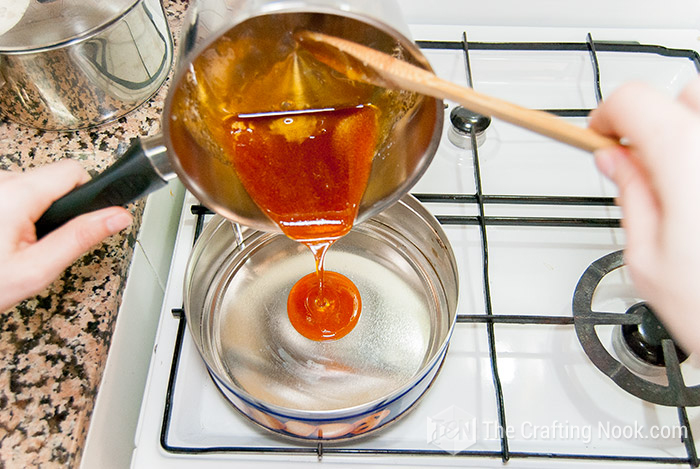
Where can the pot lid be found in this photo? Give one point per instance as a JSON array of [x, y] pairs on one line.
[[36, 25]]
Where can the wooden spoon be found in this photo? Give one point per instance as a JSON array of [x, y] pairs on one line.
[[362, 63]]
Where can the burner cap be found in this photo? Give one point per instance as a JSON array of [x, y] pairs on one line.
[[644, 339], [464, 122]]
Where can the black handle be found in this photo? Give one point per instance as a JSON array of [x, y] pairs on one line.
[[131, 177]]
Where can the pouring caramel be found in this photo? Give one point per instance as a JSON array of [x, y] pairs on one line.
[[271, 137], [307, 170]]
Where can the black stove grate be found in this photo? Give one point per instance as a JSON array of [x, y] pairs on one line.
[[480, 201]]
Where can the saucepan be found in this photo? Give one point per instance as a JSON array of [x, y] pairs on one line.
[[236, 286], [72, 64], [228, 48]]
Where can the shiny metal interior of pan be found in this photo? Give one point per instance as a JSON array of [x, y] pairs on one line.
[[404, 271]]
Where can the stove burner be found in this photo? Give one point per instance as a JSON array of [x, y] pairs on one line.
[[464, 122], [644, 339], [639, 346], [639, 321]]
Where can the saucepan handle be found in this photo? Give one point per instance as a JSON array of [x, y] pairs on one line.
[[143, 168]]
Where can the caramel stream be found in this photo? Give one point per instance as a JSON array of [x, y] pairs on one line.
[[308, 170]]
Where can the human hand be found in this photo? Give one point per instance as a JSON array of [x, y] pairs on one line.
[[658, 177], [27, 266]]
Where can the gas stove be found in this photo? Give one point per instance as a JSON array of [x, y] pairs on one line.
[[532, 376]]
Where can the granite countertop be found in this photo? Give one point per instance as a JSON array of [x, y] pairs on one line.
[[53, 347]]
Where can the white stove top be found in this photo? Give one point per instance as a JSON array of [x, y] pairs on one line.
[[559, 409]]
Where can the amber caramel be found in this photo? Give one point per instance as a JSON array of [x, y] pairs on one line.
[[307, 170], [268, 132]]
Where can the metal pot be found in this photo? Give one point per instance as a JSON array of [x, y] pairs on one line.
[[73, 64], [191, 146], [236, 287]]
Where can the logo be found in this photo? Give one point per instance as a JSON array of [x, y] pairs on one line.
[[452, 430]]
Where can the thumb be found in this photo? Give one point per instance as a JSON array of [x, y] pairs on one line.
[[63, 246]]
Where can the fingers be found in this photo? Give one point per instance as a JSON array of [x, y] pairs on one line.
[[63, 246], [690, 95], [659, 131], [641, 209], [29, 266], [635, 112], [5, 175], [42, 186]]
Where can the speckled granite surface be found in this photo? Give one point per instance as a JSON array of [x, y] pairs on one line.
[[53, 347]]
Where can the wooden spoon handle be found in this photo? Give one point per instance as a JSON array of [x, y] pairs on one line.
[[541, 122], [389, 71]]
